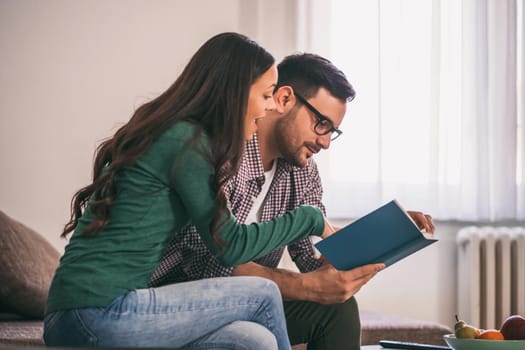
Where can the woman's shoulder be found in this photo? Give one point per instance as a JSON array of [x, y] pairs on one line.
[[180, 138], [183, 131]]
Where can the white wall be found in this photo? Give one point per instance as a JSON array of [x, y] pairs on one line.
[[71, 72]]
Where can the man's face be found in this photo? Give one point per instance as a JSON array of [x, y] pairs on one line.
[[295, 132]]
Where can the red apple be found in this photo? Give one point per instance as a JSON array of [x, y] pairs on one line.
[[513, 328]]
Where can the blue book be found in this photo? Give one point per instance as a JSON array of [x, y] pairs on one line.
[[385, 235]]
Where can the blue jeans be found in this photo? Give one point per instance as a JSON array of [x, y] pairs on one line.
[[219, 313]]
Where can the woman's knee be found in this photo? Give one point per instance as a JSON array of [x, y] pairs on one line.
[[264, 288], [253, 336], [261, 284], [239, 335]]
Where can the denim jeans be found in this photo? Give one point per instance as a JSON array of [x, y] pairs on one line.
[[219, 313]]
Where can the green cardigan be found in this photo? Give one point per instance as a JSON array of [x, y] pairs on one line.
[[167, 188]]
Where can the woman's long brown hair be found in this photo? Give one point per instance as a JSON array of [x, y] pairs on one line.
[[212, 92]]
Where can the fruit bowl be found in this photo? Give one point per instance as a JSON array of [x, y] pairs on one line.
[[481, 344]]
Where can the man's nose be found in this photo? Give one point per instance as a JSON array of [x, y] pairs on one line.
[[324, 140]]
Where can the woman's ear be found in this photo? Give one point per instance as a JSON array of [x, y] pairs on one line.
[[284, 99]]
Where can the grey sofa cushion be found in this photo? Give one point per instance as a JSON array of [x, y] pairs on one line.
[[27, 265], [21, 334], [377, 326]]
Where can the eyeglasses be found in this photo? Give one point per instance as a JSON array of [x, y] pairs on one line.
[[324, 125]]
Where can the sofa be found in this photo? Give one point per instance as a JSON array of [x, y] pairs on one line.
[[28, 262]]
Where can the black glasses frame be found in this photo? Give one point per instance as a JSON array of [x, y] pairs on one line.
[[320, 119]]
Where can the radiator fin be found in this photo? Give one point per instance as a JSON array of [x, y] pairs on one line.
[[491, 274]]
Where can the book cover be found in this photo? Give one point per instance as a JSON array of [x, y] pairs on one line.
[[385, 235]]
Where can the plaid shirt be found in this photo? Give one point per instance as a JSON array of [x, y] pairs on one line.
[[187, 258]]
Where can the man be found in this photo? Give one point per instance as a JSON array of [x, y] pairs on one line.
[[277, 175]]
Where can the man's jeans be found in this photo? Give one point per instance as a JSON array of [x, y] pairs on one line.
[[219, 313]]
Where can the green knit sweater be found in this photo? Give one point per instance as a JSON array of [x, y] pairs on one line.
[[167, 187]]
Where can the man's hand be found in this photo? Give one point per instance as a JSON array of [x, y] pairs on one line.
[[423, 221], [325, 285]]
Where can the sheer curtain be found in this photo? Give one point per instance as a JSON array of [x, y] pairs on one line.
[[438, 118]]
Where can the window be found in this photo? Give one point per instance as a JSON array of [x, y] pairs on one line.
[[438, 118]]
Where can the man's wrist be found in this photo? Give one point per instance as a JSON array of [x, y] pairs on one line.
[[293, 285]]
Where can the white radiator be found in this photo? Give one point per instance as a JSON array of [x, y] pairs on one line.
[[491, 274]]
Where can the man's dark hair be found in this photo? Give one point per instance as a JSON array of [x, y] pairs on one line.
[[306, 73]]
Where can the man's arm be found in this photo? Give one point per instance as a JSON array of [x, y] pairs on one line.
[[325, 285]]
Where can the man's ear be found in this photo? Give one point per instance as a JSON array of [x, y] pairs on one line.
[[284, 99]]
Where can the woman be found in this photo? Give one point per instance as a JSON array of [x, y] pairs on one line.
[[161, 170]]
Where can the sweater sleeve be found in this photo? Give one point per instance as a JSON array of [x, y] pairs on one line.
[[303, 252], [191, 174]]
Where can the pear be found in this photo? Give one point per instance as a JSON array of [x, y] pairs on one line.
[[459, 323], [464, 330], [467, 332]]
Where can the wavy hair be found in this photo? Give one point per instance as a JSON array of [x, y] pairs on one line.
[[212, 93]]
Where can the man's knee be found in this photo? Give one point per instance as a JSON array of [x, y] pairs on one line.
[[349, 309], [346, 315], [344, 326], [325, 326]]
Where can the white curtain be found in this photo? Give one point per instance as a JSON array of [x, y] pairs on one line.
[[438, 119]]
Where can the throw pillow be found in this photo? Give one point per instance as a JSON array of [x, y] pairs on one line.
[[27, 265]]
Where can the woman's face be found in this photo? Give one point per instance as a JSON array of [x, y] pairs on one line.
[[260, 100]]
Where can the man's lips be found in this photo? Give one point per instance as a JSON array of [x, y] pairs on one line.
[[313, 150]]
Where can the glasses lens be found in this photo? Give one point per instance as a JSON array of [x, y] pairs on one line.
[[323, 126]]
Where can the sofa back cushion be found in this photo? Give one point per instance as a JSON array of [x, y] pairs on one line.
[[27, 265]]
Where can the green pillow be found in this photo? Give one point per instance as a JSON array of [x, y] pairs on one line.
[[27, 265]]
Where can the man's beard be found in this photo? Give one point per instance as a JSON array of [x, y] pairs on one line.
[[288, 150], [295, 159]]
